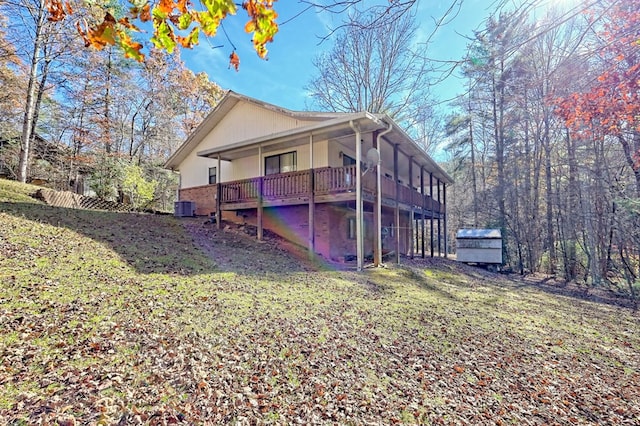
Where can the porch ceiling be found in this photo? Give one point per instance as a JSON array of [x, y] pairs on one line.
[[408, 148]]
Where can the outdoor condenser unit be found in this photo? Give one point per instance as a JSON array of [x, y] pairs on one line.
[[184, 208]]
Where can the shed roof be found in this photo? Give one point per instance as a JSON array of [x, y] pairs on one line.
[[478, 234]]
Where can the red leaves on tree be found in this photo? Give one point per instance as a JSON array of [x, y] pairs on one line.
[[612, 104]]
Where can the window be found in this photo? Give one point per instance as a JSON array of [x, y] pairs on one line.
[[348, 161], [351, 228], [213, 175], [281, 163]]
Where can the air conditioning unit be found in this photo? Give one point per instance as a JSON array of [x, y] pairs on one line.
[[184, 208]]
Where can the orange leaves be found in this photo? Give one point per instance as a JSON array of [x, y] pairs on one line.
[[111, 32], [182, 6], [234, 60], [57, 10], [190, 40], [143, 13], [164, 7], [100, 36], [262, 23], [131, 48], [611, 106], [176, 23]]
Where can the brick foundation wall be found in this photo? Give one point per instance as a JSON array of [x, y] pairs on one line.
[[292, 223], [323, 230], [204, 197], [341, 244]]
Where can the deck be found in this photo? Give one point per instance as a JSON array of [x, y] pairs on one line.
[[328, 184]]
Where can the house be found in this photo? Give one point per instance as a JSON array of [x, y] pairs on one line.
[[346, 185]]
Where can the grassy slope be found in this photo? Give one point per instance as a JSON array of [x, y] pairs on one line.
[[110, 318]]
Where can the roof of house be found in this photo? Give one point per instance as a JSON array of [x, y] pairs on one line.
[[324, 124]]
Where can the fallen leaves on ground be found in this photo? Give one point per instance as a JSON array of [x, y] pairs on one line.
[[251, 334]]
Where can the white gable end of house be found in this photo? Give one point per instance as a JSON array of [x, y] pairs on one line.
[[244, 121], [248, 121]]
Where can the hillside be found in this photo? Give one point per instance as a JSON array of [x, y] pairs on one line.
[[118, 318]]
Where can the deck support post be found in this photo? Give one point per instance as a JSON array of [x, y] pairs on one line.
[[397, 211], [439, 223], [312, 203], [260, 188], [411, 212], [359, 209], [377, 211], [377, 236], [423, 205], [432, 210], [416, 232], [444, 216], [218, 195]]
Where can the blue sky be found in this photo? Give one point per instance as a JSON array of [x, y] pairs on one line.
[[281, 79]]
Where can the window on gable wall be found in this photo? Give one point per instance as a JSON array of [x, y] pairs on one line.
[[280, 163], [213, 175]]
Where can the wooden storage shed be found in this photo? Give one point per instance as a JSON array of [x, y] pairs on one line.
[[480, 246]]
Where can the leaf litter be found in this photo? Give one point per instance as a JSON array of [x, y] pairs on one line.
[[225, 329]]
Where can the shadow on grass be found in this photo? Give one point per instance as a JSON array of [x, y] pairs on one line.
[[583, 293], [148, 243], [163, 244], [418, 276], [505, 283]]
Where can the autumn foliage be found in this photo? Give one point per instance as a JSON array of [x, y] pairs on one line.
[[610, 105], [176, 23]]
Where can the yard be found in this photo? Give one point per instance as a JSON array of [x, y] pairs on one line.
[[118, 318]]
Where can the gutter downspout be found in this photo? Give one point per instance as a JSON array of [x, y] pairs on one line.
[[378, 260], [359, 227]]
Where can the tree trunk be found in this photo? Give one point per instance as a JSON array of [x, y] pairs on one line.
[[473, 168], [497, 105], [30, 105], [551, 241], [571, 224]]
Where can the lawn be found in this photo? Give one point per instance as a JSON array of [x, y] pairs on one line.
[[122, 318]]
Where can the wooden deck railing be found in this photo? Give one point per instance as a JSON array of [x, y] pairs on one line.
[[388, 187], [240, 190], [334, 179], [326, 181], [286, 185]]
